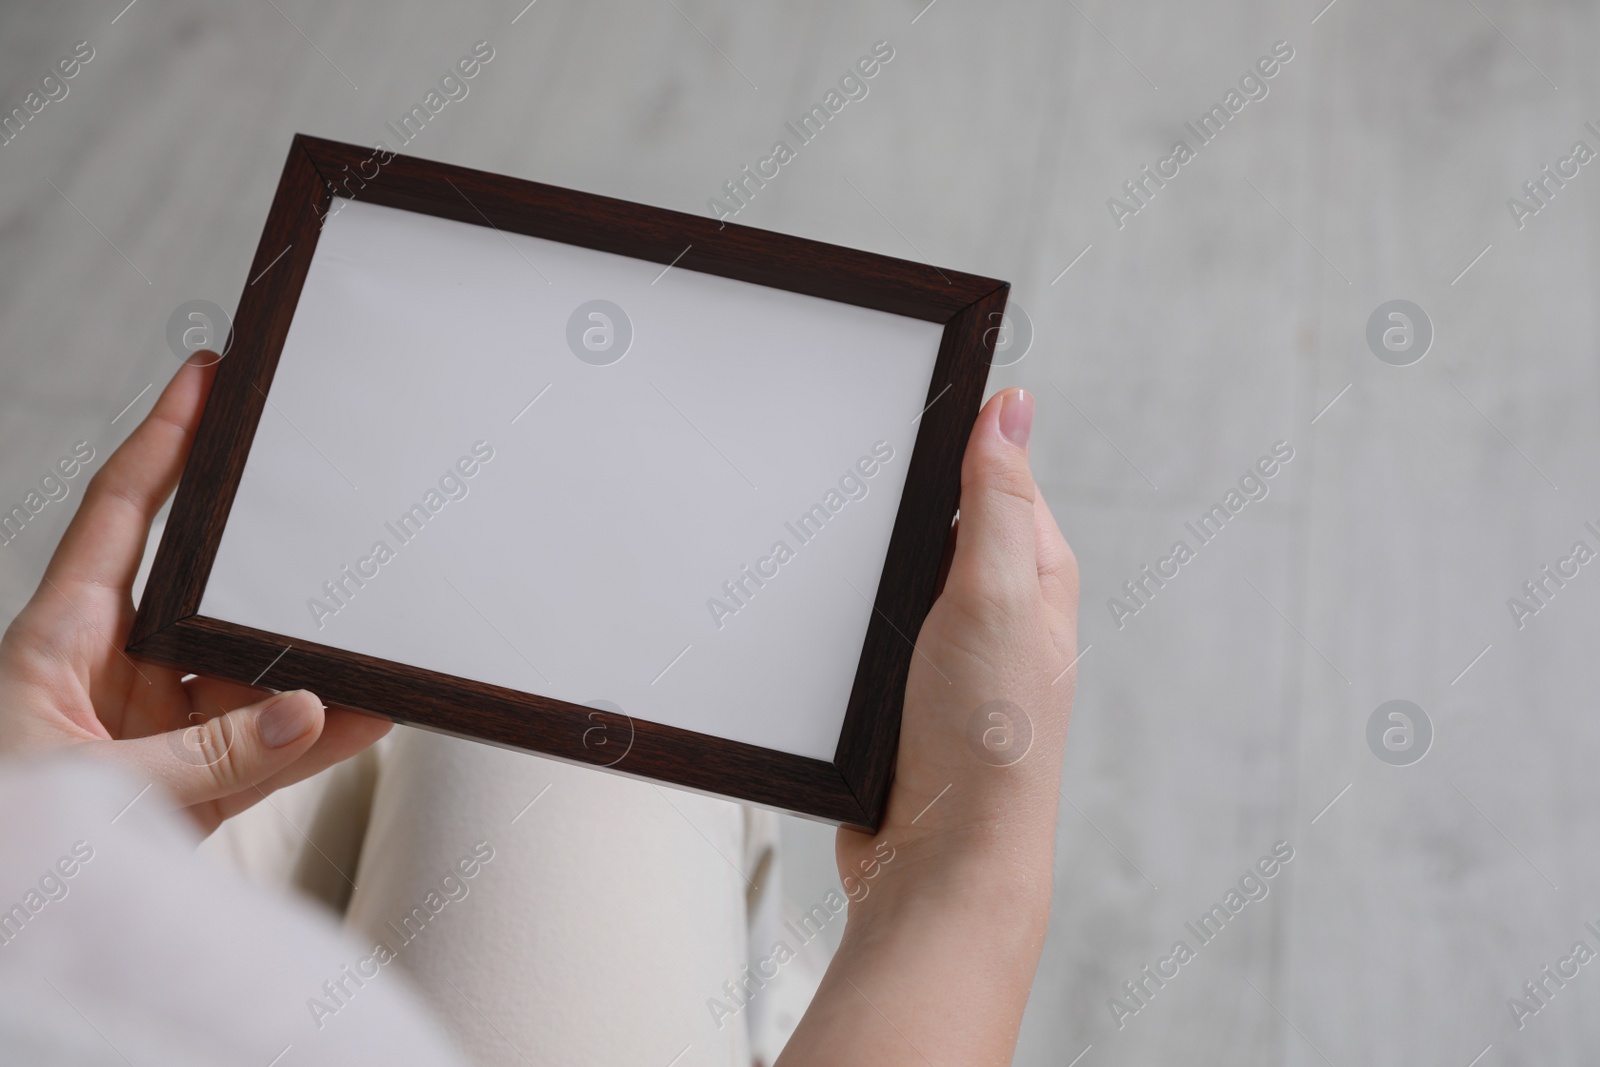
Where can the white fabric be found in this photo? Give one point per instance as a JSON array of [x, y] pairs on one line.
[[673, 883], [147, 953], [612, 910], [600, 918]]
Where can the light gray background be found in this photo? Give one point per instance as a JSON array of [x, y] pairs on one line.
[[1224, 317]]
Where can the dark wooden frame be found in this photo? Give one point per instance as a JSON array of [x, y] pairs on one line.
[[853, 789]]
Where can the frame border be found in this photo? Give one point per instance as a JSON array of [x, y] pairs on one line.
[[853, 788]]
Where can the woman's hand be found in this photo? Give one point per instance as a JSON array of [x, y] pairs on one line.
[[974, 796], [65, 680], [950, 899]]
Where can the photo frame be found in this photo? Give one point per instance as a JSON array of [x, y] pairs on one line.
[[394, 304]]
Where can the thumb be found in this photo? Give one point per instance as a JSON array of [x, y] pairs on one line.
[[224, 754], [995, 554]]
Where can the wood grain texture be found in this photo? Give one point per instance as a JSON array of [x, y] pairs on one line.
[[852, 790], [916, 548], [238, 397], [832, 272], [507, 717]]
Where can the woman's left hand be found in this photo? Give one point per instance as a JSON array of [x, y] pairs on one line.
[[65, 681]]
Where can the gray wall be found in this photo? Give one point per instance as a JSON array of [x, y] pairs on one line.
[[1222, 317]]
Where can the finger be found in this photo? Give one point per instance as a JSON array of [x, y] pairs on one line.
[[995, 551], [224, 754], [345, 733], [213, 696], [194, 701], [105, 540], [1057, 566]]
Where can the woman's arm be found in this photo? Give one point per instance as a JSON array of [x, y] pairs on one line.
[[951, 898]]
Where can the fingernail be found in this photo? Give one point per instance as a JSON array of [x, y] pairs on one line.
[[1016, 417], [283, 720]]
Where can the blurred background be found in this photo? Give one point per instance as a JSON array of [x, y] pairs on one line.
[[1440, 459]]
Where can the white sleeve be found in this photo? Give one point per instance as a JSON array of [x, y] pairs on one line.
[[119, 944]]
